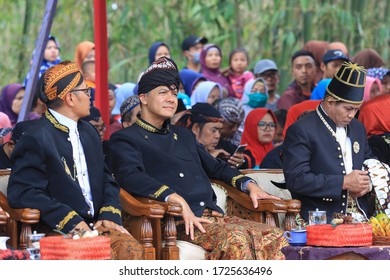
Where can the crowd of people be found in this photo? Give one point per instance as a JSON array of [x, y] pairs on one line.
[[175, 127]]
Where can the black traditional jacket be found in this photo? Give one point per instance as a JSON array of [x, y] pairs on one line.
[[313, 163], [44, 176], [155, 163]]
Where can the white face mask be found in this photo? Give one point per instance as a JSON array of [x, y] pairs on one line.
[[195, 57]]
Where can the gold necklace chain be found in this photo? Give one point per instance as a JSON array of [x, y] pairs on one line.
[[333, 132], [351, 205]]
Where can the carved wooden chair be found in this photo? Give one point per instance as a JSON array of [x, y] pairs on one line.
[[143, 218], [152, 232], [264, 178], [18, 226]]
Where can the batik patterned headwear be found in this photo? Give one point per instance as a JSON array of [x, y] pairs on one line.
[[129, 104], [162, 72], [60, 79], [231, 109]]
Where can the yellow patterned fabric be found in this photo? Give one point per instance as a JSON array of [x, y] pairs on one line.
[[53, 87], [233, 238]]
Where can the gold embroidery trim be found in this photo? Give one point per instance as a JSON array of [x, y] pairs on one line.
[[110, 209], [56, 124], [342, 99], [354, 68], [67, 170], [145, 126], [234, 180], [65, 220], [159, 191]]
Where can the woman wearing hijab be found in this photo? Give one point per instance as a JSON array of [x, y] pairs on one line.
[[11, 102], [296, 110], [372, 89], [206, 92], [121, 93], [255, 96], [376, 119], [210, 61], [84, 51], [259, 131], [157, 50], [189, 79], [383, 74], [51, 57], [369, 58]]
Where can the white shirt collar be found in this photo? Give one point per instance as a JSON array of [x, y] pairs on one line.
[[69, 123]]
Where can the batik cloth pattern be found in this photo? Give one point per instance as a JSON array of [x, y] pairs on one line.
[[233, 238]]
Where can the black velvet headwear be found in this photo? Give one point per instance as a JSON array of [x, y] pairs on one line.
[[348, 83], [162, 72], [200, 113]]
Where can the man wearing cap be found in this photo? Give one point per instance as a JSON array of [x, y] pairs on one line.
[[331, 63], [58, 166], [304, 71], [192, 46], [268, 71], [154, 159], [129, 110], [324, 151]]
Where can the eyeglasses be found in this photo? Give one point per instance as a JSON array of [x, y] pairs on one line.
[[264, 125], [87, 91]]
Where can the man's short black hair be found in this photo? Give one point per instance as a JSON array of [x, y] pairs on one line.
[[301, 53]]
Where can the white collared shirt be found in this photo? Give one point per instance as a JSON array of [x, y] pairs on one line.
[[346, 146], [78, 157]]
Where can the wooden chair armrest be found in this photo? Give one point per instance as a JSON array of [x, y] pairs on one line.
[[24, 215], [3, 218], [293, 205], [139, 208], [269, 205], [173, 209]]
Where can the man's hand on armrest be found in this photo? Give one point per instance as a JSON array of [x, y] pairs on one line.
[[255, 193], [190, 220]]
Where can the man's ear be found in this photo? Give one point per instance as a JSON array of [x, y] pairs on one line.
[[196, 129], [70, 99], [323, 67], [143, 99]]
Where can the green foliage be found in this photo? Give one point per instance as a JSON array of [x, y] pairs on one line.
[[267, 29]]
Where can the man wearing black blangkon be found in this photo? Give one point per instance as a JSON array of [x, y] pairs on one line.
[[154, 159]]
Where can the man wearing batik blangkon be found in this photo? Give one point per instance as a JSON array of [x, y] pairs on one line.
[[58, 166]]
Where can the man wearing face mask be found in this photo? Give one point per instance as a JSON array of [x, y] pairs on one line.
[[191, 46]]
